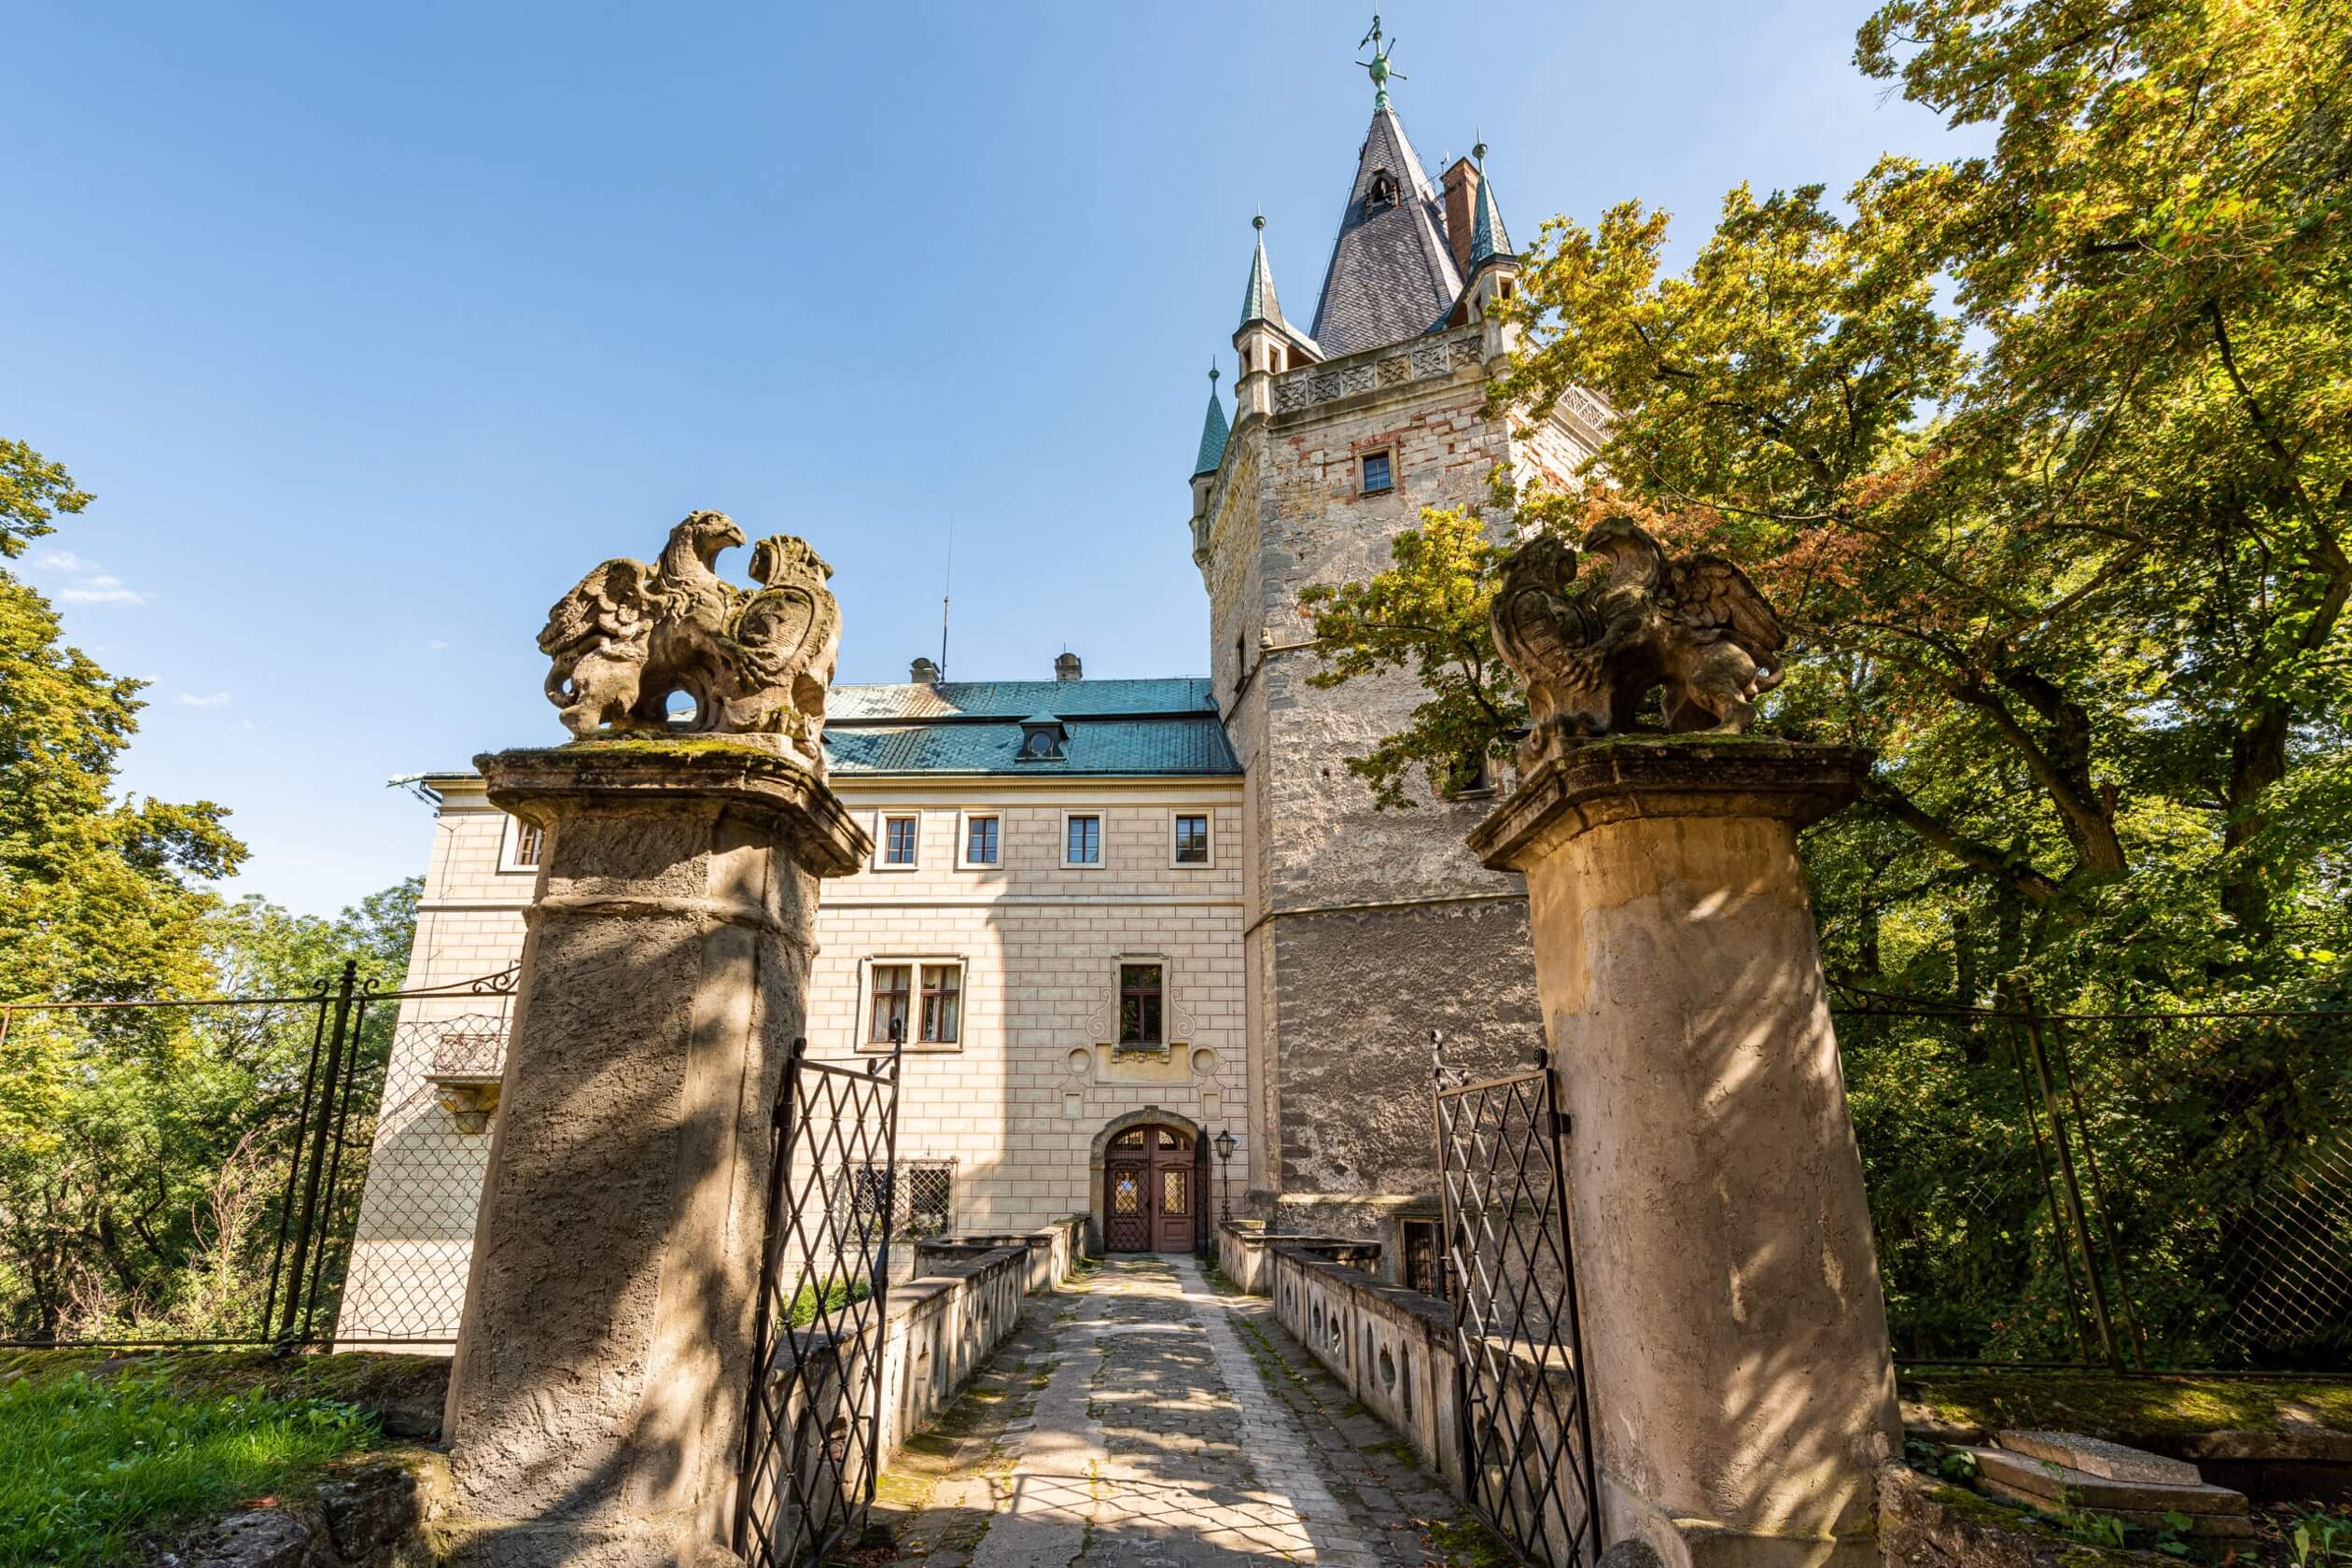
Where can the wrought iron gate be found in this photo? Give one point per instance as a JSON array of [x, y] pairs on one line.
[[1519, 1348], [813, 1430]]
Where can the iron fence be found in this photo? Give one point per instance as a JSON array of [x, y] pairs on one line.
[[1521, 1398], [2132, 1190], [191, 1172], [812, 1438]]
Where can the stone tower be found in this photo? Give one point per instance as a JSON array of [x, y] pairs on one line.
[[1366, 930]]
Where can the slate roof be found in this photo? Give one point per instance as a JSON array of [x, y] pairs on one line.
[[1121, 727], [1392, 275]]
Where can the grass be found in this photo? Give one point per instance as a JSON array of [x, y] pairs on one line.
[[88, 1466], [835, 1294], [2104, 1405]]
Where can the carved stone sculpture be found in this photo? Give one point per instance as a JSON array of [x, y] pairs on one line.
[[754, 663], [1589, 653]]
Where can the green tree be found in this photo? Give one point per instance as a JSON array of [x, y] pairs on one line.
[[2046, 458], [99, 896]]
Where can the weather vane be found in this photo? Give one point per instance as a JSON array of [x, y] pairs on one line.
[[1378, 63]]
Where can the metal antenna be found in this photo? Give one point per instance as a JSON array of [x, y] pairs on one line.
[[945, 589]]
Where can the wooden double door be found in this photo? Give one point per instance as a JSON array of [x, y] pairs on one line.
[[1151, 1191]]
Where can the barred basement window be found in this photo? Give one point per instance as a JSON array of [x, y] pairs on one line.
[[920, 1202]]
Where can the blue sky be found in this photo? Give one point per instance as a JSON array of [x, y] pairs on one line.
[[373, 327]]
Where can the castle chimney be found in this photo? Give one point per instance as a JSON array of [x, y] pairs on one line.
[[1461, 204], [1067, 667], [923, 673]]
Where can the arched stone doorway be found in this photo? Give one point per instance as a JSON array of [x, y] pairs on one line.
[[1147, 1191]]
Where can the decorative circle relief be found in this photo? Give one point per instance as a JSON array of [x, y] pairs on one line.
[[1080, 1060], [1204, 1061]]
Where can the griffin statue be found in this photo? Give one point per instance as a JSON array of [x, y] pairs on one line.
[[1589, 651], [754, 662]]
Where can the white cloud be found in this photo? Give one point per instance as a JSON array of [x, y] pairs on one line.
[[435, 646], [211, 699], [61, 560], [99, 588]]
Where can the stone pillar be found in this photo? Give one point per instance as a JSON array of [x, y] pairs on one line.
[[595, 1407], [1735, 1337]]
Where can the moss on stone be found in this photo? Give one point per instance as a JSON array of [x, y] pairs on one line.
[[1468, 1544], [2101, 1405]]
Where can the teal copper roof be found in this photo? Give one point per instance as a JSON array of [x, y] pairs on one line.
[[1118, 727], [1213, 433], [1257, 296], [1168, 727], [1489, 239]]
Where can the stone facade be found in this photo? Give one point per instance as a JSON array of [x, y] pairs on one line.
[[1016, 1112], [1366, 929]]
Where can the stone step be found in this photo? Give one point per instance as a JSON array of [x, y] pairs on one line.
[[2226, 1526], [2096, 1456]]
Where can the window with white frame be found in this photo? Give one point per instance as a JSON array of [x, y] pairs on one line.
[[898, 838], [982, 841], [1188, 841], [1082, 838], [917, 1000], [522, 846]]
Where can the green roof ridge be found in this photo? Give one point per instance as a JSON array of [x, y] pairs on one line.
[[1214, 431]]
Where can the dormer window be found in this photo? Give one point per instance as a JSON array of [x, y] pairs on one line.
[[1383, 194], [1043, 738]]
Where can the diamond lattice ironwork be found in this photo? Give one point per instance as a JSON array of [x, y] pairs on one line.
[[811, 1442], [1518, 1345]]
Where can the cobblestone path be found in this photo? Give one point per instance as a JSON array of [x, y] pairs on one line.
[[1144, 1419]]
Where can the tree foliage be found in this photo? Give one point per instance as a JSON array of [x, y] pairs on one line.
[[2045, 457], [140, 1148]]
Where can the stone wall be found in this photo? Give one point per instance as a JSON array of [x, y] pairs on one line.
[[1391, 1347], [1364, 929]]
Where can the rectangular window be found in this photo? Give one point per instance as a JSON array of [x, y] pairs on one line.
[[524, 846], [980, 841], [942, 1003], [887, 1018], [1081, 840], [1376, 471], [1190, 847], [900, 836], [1140, 991]]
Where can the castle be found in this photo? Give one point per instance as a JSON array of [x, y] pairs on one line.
[[1112, 920]]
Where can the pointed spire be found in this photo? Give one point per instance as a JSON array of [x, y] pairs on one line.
[[1257, 300], [1212, 432], [1489, 240]]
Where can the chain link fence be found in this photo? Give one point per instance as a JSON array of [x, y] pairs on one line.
[[244, 1170], [2132, 1190]]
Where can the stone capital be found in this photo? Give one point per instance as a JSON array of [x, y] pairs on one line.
[[1627, 776], [543, 784]]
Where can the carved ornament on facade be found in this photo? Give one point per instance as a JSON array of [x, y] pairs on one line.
[[1589, 651], [754, 662]]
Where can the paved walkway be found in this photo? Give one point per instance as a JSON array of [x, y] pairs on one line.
[[1147, 1421]]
